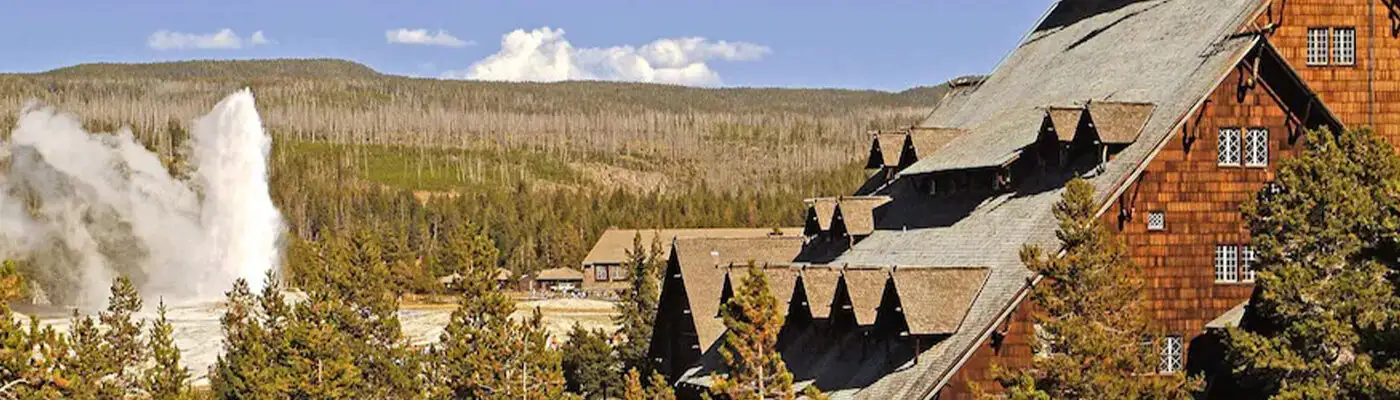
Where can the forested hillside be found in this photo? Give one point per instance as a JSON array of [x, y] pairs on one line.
[[539, 168]]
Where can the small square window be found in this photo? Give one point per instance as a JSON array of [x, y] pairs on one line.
[[1317, 46], [1256, 147], [1229, 151], [1156, 220], [1344, 46], [1171, 353], [1247, 266], [1226, 263]]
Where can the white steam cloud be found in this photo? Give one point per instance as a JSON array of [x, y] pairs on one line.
[[83, 207], [223, 39], [545, 55], [422, 37]]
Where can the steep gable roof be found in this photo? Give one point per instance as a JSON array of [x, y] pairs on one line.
[[1065, 121], [935, 300], [703, 263], [820, 283], [612, 246], [927, 140], [1119, 123], [890, 146]]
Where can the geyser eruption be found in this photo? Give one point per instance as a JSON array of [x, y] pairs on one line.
[[81, 207]]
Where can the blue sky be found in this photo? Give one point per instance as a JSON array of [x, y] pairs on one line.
[[889, 45]]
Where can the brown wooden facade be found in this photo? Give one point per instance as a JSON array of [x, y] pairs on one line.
[[1363, 92], [1200, 199]]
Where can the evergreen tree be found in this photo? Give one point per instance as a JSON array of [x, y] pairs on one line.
[[1324, 321], [634, 389], [484, 354], [106, 351], [754, 369], [1089, 307], [167, 379], [31, 356], [636, 313], [589, 367], [660, 389]]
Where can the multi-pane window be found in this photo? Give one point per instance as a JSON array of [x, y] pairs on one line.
[[1317, 46], [1171, 352], [600, 273], [619, 272], [1156, 220], [1344, 46], [1227, 262], [1229, 151], [1256, 147], [1247, 266], [1234, 263]]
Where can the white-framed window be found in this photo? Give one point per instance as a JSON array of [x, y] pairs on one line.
[[1227, 262], [1156, 220], [1256, 147], [1229, 151], [1171, 354], [1317, 46], [1247, 264], [1343, 46], [619, 272], [600, 273]]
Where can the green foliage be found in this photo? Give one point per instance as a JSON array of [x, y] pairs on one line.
[[167, 380], [1323, 321], [636, 312], [589, 367], [106, 350], [484, 354], [31, 357], [657, 389], [1089, 307], [754, 370]]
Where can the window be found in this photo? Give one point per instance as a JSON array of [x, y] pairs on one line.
[[619, 272], [1226, 263], [1171, 355], [600, 273], [1247, 267], [1156, 220], [1256, 147], [1229, 152], [1343, 46], [1317, 46]]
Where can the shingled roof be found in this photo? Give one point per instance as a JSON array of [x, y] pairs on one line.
[[1169, 53], [820, 283], [1065, 121], [1119, 123], [703, 263], [936, 299], [1151, 51], [856, 213], [887, 148], [613, 244], [927, 140]]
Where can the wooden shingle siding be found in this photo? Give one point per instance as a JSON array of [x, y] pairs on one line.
[[1344, 88], [1201, 200], [1013, 351]]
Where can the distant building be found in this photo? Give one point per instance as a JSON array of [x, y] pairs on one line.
[[558, 279], [605, 267]]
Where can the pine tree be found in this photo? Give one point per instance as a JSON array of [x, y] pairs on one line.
[[636, 313], [167, 379], [484, 354], [122, 334], [31, 356], [1324, 321], [589, 367], [660, 389], [1089, 307], [634, 389], [754, 369]]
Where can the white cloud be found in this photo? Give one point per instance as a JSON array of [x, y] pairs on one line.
[[545, 55], [223, 39], [421, 36]]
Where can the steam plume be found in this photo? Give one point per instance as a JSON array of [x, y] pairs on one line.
[[82, 207]]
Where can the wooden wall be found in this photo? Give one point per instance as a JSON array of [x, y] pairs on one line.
[[1202, 201], [1345, 88], [1014, 352]]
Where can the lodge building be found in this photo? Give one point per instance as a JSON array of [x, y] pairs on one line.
[[1177, 111]]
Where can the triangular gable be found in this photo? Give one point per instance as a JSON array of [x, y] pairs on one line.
[[886, 149], [1064, 121], [924, 141], [819, 284], [820, 212], [1119, 123], [865, 286]]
